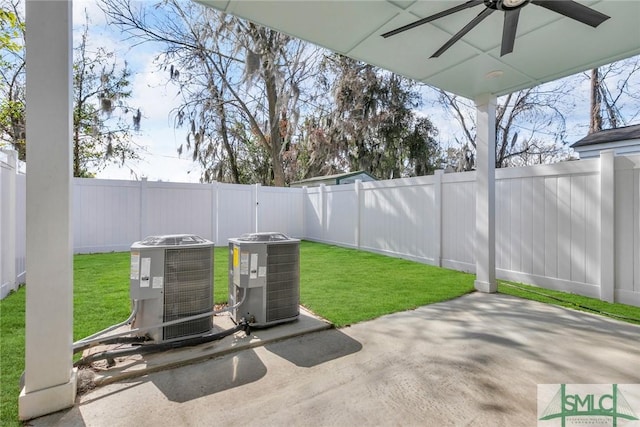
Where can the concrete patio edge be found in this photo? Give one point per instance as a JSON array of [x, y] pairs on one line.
[[135, 366]]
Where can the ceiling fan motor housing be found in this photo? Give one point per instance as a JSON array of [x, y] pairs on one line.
[[505, 4]]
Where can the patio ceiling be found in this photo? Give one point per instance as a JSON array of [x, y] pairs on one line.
[[548, 45]]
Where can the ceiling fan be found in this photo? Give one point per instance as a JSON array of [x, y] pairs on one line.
[[511, 9]]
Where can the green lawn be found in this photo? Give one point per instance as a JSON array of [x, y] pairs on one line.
[[347, 286], [628, 313], [342, 285], [11, 355]]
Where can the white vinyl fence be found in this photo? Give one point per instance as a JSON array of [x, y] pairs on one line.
[[571, 226], [110, 215], [12, 223], [553, 228]]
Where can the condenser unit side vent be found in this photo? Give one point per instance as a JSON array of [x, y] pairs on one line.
[[283, 276], [187, 290]]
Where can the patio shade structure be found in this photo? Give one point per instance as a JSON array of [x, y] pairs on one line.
[[547, 46]]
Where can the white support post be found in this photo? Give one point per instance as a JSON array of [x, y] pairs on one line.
[[485, 247], [50, 380], [607, 226], [437, 217]]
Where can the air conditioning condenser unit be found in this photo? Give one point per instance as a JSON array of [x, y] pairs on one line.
[[172, 278], [264, 273]]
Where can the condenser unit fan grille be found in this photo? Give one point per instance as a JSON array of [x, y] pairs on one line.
[[283, 274], [187, 290]]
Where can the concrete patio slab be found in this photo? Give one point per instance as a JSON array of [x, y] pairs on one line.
[[475, 360], [137, 365]]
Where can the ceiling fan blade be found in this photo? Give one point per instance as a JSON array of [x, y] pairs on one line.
[[574, 10], [475, 21], [509, 30], [467, 5]]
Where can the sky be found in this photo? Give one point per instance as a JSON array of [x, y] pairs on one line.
[[155, 98]]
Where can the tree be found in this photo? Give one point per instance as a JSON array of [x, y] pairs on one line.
[[372, 125], [11, 28], [611, 86], [530, 126], [240, 83], [424, 153], [102, 121], [539, 113], [357, 91], [12, 77]]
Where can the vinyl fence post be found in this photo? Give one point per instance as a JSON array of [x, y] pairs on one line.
[[437, 218], [607, 226], [143, 208], [360, 201], [323, 204], [214, 212], [305, 196], [256, 207]]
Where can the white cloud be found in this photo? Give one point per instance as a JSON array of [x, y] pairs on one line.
[[159, 159], [151, 92], [92, 8]]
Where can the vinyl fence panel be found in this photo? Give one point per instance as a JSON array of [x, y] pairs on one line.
[[313, 213], [280, 209], [398, 218], [547, 224], [172, 208], [106, 215], [627, 230], [341, 220], [458, 221], [235, 211], [8, 219]]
